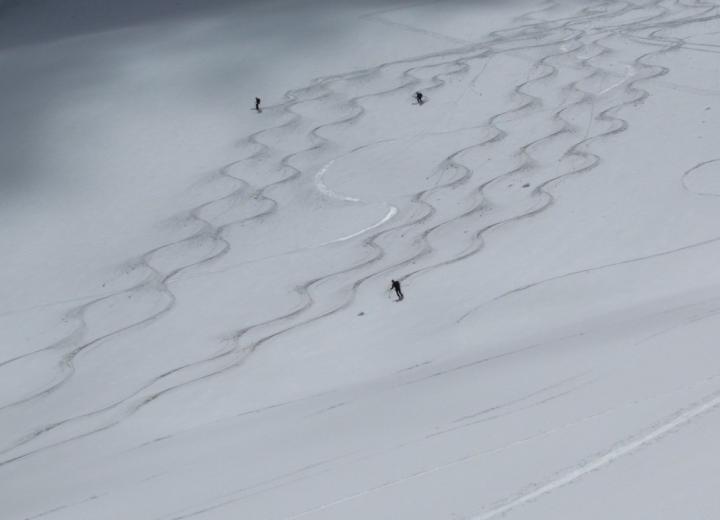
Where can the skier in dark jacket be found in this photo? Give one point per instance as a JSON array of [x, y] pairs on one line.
[[419, 97], [257, 104], [395, 286]]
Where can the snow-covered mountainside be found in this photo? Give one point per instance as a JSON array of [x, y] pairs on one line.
[[196, 318]]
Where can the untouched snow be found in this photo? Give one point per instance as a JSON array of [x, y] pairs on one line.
[[195, 319]]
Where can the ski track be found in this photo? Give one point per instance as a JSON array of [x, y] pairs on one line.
[[692, 170], [160, 280], [622, 449], [356, 456], [195, 214], [589, 270], [546, 33], [350, 458]]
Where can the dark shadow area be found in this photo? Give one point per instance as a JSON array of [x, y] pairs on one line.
[[26, 22]]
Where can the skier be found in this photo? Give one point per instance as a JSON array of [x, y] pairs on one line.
[[419, 97], [395, 285], [257, 104]]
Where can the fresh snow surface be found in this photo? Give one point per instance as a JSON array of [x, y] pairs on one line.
[[195, 319]]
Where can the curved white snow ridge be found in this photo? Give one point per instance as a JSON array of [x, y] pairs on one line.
[[325, 190]]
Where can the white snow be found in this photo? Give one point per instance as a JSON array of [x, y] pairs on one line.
[[195, 316]]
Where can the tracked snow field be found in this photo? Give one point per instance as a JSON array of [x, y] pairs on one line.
[[196, 319]]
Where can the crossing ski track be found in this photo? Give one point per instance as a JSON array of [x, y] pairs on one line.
[[585, 38]]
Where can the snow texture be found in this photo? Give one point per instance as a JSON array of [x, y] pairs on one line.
[[196, 318]]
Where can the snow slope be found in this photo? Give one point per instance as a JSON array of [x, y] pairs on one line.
[[195, 319]]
